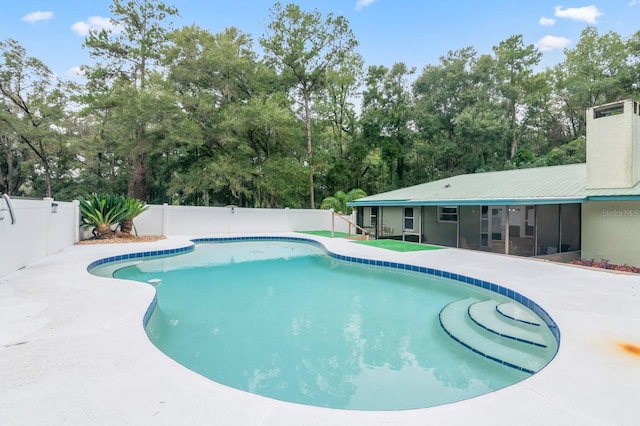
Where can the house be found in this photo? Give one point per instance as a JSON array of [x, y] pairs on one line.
[[589, 210]]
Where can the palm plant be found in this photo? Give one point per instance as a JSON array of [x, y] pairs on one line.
[[339, 200], [134, 208], [102, 212]]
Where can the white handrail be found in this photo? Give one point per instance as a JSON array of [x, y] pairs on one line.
[[333, 215], [9, 208]]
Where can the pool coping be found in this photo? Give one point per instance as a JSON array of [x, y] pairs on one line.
[[74, 351]]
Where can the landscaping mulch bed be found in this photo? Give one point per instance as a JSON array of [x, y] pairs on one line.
[[603, 264], [120, 238]]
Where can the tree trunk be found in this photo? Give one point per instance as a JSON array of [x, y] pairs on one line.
[[307, 124], [138, 185], [103, 230], [47, 178], [5, 182], [126, 226]]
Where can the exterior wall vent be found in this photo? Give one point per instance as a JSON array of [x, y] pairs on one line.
[[609, 110]]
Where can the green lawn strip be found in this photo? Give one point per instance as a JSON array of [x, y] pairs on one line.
[[401, 246], [326, 234]]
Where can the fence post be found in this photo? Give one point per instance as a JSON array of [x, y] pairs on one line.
[[354, 219], [46, 207], [165, 215], [76, 220], [333, 219], [287, 215]]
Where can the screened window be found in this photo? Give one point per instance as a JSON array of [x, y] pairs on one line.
[[448, 214], [374, 216], [408, 218], [530, 221]]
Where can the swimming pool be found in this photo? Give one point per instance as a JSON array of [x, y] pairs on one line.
[[284, 320]]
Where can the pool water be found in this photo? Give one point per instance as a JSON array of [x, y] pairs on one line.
[[284, 320]]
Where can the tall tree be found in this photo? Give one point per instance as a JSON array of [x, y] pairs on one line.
[[521, 91], [305, 47], [123, 79], [13, 158], [387, 116], [442, 93], [596, 71], [243, 145], [33, 107], [335, 107]]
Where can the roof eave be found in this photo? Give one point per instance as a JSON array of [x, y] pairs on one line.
[[613, 198], [471, 202]]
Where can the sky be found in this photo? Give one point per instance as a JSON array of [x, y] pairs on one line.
[[416, 32]]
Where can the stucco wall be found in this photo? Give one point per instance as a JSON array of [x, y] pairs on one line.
[[612, 149], [611, 230]]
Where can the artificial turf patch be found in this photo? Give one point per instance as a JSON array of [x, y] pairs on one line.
[[400, 246], [326, 234]]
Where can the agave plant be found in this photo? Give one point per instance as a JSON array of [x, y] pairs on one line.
[[134, 208], [102, 212]]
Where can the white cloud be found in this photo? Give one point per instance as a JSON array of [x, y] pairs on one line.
[[633, 2], [75, 72], [547, 22], [37, 16], [588, 14], [363, 3], [549, 43], [95, 23], [81, 28]]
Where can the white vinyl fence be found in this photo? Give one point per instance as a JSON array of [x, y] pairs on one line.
[[186, 220], [37, 229], [42, 227]]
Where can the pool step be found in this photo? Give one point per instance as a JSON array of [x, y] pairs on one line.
[[518, 313], [478, 326], [485, 314]]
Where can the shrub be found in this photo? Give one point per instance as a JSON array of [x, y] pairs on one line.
[[102, 212], [134, 208]]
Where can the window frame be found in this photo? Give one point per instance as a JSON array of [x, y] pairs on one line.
[[373, 216], [448, 216], [406, 218]]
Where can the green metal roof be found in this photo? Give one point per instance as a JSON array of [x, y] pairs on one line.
[[540, 185]]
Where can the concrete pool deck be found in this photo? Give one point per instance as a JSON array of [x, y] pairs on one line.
[[73, 350]]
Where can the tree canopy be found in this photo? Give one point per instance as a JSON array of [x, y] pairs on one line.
[[186, 116]]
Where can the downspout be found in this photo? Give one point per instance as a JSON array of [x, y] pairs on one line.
[[559, 227], [422, 236], [535, 230], [506, 230], [420, 227], [458, 229]]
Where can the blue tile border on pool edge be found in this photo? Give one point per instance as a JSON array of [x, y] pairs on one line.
[[495, 288], [139, 255]]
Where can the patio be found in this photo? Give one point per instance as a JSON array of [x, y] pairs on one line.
[[73, 350]]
